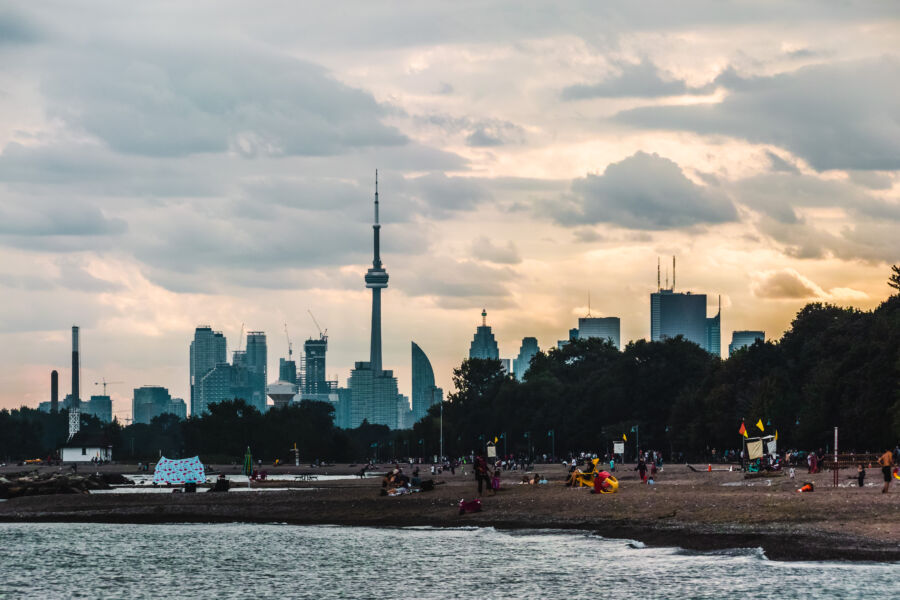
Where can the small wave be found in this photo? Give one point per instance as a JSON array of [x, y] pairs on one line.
[[635, 544], [756, 552]]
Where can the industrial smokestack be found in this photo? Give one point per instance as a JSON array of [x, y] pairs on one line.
[[54, 391], [76, 367]]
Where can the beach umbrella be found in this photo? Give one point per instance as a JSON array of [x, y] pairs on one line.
[[248, 463]]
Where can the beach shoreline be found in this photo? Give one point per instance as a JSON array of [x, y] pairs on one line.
[[695, 511]]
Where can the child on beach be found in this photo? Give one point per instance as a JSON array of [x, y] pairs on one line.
[[495, 482]]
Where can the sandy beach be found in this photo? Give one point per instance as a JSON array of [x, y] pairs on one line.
[[696, 510]]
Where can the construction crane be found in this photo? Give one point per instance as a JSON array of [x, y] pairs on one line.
[[290, 345], [322, 334], [105, 383], [240, 337]]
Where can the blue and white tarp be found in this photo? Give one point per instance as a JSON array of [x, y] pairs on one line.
[[179, 471]]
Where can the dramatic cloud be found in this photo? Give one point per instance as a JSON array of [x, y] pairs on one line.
[[780, 195], [644, 191], [835, 116], [147, 99], [643, 80], [786, 284]]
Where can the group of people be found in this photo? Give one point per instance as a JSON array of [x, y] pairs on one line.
[[484, 477]]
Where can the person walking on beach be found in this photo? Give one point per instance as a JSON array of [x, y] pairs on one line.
[[641, 468], [887, 462], [861, 474]]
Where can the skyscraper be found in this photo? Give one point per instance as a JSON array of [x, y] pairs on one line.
[[607, 328], [151, 401], [207, 351], [483, 344], [256, 363], [742, 339], [287, 370], [527, 351], [314, 377], [374, 390], [714, 333], [683, 313], [224, 382], [98, 406], [424, 392]]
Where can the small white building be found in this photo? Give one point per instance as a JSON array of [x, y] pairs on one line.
[[86, 447]]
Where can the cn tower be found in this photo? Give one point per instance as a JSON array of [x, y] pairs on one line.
[[376, 279]]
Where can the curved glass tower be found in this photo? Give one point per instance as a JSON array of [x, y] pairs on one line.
[[424, 392]]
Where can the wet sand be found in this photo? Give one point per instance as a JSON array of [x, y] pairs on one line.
[[685, 508]]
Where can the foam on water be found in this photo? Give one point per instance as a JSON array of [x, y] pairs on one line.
[[51, 560]]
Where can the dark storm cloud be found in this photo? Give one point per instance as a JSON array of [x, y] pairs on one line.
[[642, 80], [177, 99], [835, 116], [643, 191]]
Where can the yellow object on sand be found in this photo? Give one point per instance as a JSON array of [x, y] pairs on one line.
[[613, 486], [580, 478]]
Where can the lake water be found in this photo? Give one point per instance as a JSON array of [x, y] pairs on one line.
[[285, 561]]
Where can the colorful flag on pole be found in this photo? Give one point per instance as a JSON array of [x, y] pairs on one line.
[[760, 425], [743, 430], [624, 438]]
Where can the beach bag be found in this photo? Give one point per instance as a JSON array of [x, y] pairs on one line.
[[469, 506]]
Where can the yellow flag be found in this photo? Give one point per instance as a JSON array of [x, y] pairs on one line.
[[760, 425], [495, 439], [624, 438], [776, 435]]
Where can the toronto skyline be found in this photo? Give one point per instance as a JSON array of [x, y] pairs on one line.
[[166, 166]]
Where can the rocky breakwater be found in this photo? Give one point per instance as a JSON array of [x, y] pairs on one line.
[[31, 484]]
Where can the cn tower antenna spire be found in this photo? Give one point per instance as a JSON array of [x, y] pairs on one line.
[[376, 280]]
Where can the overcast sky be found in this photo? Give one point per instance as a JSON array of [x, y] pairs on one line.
[[164, 165]]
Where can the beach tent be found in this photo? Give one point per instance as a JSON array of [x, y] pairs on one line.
[[179, 471]]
